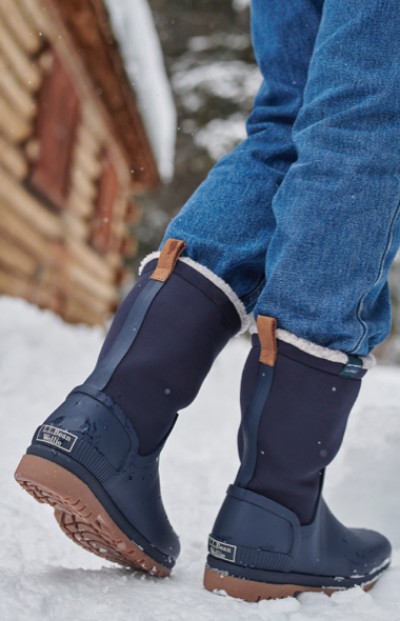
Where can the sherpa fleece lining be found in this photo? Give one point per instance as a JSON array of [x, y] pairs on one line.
[[216, 280], [334, 355]]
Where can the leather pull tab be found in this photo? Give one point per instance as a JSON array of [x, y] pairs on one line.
[[267, 334], [170, 253]]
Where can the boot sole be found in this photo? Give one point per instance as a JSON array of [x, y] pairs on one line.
[[252, 591], [81, 516]]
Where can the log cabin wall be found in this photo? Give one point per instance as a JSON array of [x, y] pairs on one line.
[[65, 170]]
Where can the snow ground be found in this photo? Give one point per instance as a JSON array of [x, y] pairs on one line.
[[44, 576]]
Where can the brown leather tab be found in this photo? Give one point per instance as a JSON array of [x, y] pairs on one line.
[[266, 332], [170, 253]]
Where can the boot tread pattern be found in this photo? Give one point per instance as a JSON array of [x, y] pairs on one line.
[[80, 515]]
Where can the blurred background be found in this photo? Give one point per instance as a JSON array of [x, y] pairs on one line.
[[111, 113]]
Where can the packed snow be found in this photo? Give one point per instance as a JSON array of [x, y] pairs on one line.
[[46, 577], [141, 50]]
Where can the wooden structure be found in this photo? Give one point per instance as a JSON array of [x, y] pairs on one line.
[[73, 153]]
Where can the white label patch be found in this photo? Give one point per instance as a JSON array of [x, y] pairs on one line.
[[222, 550], [60, 438]]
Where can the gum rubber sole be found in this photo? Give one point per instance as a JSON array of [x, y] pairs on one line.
[[252, 591], [81, 516]]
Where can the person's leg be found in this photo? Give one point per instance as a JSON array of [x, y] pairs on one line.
[[337, 211], [337, 232], [96, 456], [228, 222]]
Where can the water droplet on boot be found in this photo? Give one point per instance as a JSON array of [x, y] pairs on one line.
[[167, 391]]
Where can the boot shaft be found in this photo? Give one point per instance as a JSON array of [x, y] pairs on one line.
[[295, 410], [162, 344]]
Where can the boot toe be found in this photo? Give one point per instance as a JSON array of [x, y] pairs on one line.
[[375, 551]]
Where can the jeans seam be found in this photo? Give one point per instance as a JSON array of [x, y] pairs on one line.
[[254, 294], [360, 306]]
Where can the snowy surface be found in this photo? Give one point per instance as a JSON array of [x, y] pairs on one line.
[[219, 136], [196, 80], [240, 5], [225, 40], [140, 47], [234, 80], [44, 576]]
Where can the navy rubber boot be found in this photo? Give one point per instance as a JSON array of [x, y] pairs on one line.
[[95, 459], [274, 535]]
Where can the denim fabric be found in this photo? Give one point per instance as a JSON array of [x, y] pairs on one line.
[[228, 222], [311, 198]]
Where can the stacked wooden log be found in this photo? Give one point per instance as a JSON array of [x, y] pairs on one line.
[[66, 253]]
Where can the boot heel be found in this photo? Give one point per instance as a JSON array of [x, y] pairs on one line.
[[80, 515]]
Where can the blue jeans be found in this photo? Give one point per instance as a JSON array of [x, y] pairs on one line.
[[302, 218]]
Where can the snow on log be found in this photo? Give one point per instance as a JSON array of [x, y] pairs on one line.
[[140, 48]]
